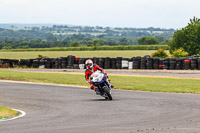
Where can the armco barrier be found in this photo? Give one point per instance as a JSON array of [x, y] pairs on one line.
[[72, 62]]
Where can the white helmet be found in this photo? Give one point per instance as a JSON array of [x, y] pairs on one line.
[[89, 64]]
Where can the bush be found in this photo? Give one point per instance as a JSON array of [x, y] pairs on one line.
[[180, 53], [42, 56], [160, 53]]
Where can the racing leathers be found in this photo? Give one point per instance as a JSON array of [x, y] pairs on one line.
[[88, 73]]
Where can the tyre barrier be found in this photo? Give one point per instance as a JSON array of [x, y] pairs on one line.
[[72, 62], [8, 63]]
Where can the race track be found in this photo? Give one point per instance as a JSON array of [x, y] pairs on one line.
[[63, 109]]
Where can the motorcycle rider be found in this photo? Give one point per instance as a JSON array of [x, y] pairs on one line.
[[90, 68]]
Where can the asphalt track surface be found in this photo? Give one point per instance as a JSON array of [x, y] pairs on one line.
[[133, 72], [64, 109]]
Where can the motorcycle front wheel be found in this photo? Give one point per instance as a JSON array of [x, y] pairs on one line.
[[107, 92]]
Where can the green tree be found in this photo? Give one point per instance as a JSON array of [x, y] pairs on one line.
[[74, 44], [95, 43], [187, 38], [150, 40], [51, 37], [123, 41]]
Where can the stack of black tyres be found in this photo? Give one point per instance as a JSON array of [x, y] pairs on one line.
[[194, 63], [143, 63], [179, 63], [96, 60], [64, 62], [183, 64], [70, 61], [5, 62], [119, 63], [42, 63], [187, 63], [161, 62], [36, 62], [56, 63], [47, 62], [166, 63], [107, 63], [60, 63], [53, 61], [136, 62], [172, 63], [198, 63], [149, 64], [82, 63], [155, 63], [16, 62], [113, 63], [31, 62], [23, 62], [9, 62], [101, 62], [76, 65]]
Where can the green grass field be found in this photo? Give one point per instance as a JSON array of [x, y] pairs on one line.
[[7, 112], [54, 54], [120, 82]]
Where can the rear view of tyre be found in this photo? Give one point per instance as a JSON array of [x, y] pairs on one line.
[[107, 92]]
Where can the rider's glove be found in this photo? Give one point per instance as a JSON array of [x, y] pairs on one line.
[[89, 81]]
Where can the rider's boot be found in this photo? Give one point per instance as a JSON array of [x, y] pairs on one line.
[[112, 86], [92, 87], [95, 89]]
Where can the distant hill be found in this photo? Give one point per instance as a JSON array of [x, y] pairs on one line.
[[11, 25]]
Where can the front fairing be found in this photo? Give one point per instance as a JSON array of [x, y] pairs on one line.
[[99, 80]]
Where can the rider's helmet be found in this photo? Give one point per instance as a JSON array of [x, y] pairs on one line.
[[89, 64]]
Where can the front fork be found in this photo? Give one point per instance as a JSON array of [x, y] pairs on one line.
[[107, 83]]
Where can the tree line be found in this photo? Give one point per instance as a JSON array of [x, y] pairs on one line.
[[39, 43], [66, 36]]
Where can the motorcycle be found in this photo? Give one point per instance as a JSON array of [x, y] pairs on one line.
[[100, 81]]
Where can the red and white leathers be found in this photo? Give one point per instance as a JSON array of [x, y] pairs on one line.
[[88, 73]]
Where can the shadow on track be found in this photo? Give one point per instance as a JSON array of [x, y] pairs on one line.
[[101, 100]]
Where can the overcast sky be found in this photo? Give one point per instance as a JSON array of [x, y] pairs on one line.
[[113, 13]]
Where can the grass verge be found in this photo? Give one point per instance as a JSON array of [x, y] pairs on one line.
[[55, 54], [7, 113], [156, 84], [84, 48]]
